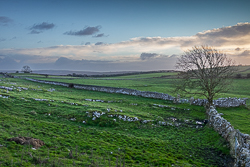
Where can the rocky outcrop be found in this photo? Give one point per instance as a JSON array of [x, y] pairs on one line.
[[36, 143], [239, 142]]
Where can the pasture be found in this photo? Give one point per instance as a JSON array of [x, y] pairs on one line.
[[155, 83], [87, 128]]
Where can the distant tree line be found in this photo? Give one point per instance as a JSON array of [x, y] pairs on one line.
[[116, 75], [239, 76]]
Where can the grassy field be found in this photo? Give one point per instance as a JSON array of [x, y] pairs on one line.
[[239, 117], [106, 140], [163, 85], [240, 88], [140, 76]]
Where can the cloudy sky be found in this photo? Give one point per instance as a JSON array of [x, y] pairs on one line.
[[115, 35]]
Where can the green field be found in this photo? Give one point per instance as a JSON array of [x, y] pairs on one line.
[[163, 85], [105, 140], [244, 70], [239, 88]]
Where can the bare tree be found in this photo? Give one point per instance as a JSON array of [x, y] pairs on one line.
[[205, 72], [26, 69]]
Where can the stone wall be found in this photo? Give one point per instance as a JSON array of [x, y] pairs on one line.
[[239, 142], [222, 102]]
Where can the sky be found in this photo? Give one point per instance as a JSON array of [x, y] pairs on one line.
[[118, 35]]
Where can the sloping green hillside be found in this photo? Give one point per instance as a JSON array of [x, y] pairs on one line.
[[87, 128]]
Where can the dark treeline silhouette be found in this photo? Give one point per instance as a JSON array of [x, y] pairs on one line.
[[122, 74]]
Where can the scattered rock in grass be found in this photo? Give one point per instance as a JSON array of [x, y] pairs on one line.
[[197, 127], [51, 90], [1, 145], [22, 88], [6, 88], [146, 121], [162, 123], [36, 143], [199, 123], [40, 99], [33, 112], [5, 97]]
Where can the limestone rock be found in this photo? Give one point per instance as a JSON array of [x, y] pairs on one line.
[[36, 143]]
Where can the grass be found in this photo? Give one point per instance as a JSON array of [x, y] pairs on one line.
[[162, 85], [165, 85], [103, 141], [141, 76], [238, 116]]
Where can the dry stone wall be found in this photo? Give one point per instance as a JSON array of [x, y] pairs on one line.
[[239, 142], [222, 102]]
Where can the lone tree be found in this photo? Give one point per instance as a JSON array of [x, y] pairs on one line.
[[205, 72], [26, 69]]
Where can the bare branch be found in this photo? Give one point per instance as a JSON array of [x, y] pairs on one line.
[[205, 72]]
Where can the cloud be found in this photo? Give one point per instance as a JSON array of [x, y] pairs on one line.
[[245, 53], [237, 30], [237, 35], [2, 39], [147, 49], [99, 43], [102, 65], [26, 59], [99, 35], [8, 63], [43, 26], [63, 61], [148, 56], [238, 49], [13, 38], [5, 20], [35, 32], [39, 28], [85, 31], [145, 56], [174, 56]]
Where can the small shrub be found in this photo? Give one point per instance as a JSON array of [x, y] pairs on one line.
[[238, 76], [248, 75], [71, 85]]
